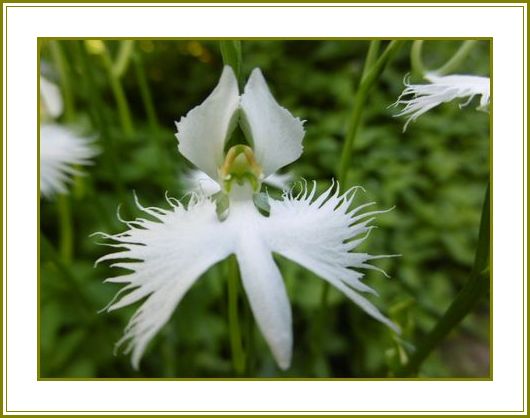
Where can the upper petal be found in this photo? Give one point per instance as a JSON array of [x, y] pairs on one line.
[[319, 234], [170, 253], [276, 135], [202, 133]]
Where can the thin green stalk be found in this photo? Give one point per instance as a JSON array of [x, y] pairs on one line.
[[450, 66], [119, 94], [474, 289], [66, 231], [416, 60], [145, 93], [98, 118], [236, 345], [232, 55], [360, 99], [457, 59], [152, 118], [66, 85], [371, 56], [123, 58]]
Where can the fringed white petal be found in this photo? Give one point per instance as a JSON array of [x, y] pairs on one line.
[[202, 133], [319, 233], [51, 98], [61, 149], [442, 89], [165, 256], [276, 135]]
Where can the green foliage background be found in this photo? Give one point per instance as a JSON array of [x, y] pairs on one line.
[[434, 175]]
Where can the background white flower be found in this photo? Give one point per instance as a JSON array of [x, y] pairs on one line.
[[442, 89], [61, 148], [166, 255]]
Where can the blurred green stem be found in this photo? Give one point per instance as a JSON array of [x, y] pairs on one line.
[[121, 63], [98, 117], [232, 55], [416, 61], [450, 66], [457, 59], [371, 56], [66, 85], [372, 70], [236, 346], [119, 94], [152, 118], [474, 289], [365, 86], [66, 231]]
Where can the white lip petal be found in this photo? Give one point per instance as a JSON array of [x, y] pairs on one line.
[[275, 133], [202, 133], [266, 293], [51, 97], [61, 149], [319, 233], [170, 253], [442, 89]]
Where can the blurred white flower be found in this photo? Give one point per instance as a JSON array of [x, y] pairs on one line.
[[61, 148], [166, 255], [51, 98], [442, 89]]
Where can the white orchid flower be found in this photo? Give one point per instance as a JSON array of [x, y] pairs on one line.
[[166, 255], [442, 89], [61, 148], [196, 181]]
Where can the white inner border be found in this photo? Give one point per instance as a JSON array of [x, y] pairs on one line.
[[507, 26]]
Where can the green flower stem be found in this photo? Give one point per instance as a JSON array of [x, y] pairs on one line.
[[457, 59], [372, 70], [119, 94], [98, 118], [145, 92], [121, 63], [360, 99], [66, 85], [371, 56], [450, 66], [152, 118], [474, 289], [232, 55], [416, 60], [66, 231], [236, 345]]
